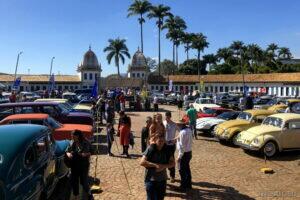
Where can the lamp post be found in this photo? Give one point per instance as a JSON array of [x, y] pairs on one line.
[[243, 74], [17, 64]]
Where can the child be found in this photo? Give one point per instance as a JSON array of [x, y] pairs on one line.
[[110, 137]]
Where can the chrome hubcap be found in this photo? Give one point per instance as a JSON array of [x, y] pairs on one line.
[[270, 149]]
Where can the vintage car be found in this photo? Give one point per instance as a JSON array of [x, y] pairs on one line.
[[208, 124], [228, 131], [283, 104], [66, 103], [207, 112], [277, 133], [60, 131], [31, 162], [56, 110], [201, 103]]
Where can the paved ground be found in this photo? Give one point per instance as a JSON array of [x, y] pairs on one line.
[[218, 171]]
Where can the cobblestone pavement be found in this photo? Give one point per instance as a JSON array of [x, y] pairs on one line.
[[218, 171]]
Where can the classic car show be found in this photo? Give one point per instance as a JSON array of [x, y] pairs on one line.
[[150, 99]]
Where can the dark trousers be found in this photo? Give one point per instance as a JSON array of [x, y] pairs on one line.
[[109, 144], [156, 190], [80, 174], [144, 145], [185, 170], [155, 107], [172, 170]]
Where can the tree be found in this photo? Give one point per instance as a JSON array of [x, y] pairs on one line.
[[117, 49], [168, 67], [139, 7], [199, 43], [151, 64], [209, 59], [255, 54], [159, 13], [284, 53], [187, 40], [224, 54], [190, 67], [175, 25]]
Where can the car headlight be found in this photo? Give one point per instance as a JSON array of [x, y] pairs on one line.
[[255, 141]]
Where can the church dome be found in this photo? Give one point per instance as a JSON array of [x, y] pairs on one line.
[[139, 60], [89, 62]]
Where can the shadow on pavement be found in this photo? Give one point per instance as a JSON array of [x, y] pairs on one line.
[[207, 191], [282, 156]]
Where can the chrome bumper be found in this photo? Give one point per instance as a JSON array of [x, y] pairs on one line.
[[247, 146]]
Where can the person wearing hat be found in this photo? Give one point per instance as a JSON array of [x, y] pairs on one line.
[[79, 155], [192, 114], [184, 147]]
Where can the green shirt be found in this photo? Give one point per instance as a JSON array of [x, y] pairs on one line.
[[192, 114]]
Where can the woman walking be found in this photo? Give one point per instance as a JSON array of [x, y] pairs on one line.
[[124, 130]]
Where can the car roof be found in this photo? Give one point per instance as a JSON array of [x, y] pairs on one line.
[[293, 100], [52, 100], [29, 104], [286, 116], [27, 116], [260, 112], [13, 140]]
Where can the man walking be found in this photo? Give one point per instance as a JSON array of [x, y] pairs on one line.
[[171, 128], [184, 146], [192, 114]]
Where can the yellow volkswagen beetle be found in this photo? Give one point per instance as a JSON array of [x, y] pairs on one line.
[[227, 131], [277, 133], [282, 105]]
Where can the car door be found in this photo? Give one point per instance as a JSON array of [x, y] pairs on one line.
[[290, 136]]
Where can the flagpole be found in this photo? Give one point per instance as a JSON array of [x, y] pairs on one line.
[[17, 64], [51, 65]]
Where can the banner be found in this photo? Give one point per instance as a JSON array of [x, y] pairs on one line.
[[170, 85], [17, 82], [95, 90]]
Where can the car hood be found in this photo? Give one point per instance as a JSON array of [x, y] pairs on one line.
[[233, 123], [71, 127], [249, 135], [209, 120]]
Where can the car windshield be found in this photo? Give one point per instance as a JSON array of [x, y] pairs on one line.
[[68, 106], [227, 115], [63, 108], [245, 116], [53, 123], [209, 111], [273, 121], [205, 101], [271, 102]]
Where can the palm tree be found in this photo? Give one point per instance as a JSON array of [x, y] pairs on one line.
[[199, 43], [117, 49], [159, 12], [139, 7], [224, 54], [210, 59], [237, 47], [187, 40], [255, 54], [284, 53], [175, 25]]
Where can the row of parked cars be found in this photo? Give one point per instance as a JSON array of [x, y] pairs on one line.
[[265, 130], [33, 139]]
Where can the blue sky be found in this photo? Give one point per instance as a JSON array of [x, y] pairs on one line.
[[66, 28]]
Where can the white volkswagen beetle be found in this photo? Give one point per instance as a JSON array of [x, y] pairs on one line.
[[207, 124], [201, 103]]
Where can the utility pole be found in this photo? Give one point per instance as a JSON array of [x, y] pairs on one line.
[[17, 64]]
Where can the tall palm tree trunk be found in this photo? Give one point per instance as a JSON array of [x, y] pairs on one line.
[[187, 52], [117, 63], [198, 58], [159, 27], [177, 56], [173, 53], [142, 43]]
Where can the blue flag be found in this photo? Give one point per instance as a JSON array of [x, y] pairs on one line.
[[95, 90], [51, 83], [17, 82]]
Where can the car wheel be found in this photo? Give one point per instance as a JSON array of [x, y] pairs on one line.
[[269, 149], [211, 130], [233, 140]]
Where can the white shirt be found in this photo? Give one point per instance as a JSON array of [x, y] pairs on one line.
[[184, 142], [155, 100], [171, 128]]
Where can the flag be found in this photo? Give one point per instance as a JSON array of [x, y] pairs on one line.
[[17, 82], [95, 90], [170, 85], [51, 83]]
